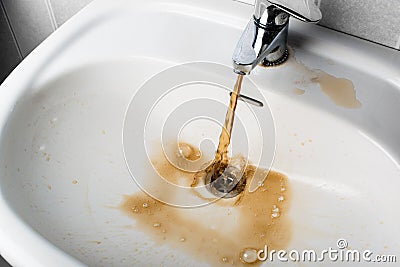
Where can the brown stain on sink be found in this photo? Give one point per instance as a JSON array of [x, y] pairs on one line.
[[340, 91], [219, 232], [298, 91]]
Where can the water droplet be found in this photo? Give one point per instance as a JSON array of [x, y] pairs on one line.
[[188, 152], [135, 209], [275, 209], [182, 239], [224, 259], [275, 215], [248, 255], [283, 189], [145, 205], [157, 224], [281, 198]]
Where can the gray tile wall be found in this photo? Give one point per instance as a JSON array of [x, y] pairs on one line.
[[374, 20], [9, 53], [30, 21], [24, 24], [3, 263]]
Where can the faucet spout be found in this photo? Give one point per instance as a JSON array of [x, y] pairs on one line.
[[259, 45], [264, 39]]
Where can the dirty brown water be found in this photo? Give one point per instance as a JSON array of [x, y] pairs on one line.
[[221, 155], [219, 232]]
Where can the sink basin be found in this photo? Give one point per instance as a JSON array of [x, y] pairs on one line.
[[63, 174]]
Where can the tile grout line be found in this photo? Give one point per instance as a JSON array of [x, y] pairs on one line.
[[3, 9], [51, 14]]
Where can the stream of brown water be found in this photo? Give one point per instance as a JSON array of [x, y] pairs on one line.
[[221, 156]]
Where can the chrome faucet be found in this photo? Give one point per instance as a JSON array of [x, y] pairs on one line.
[[265, 36]]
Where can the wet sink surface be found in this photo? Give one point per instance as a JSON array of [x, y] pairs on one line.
[[63, 174]]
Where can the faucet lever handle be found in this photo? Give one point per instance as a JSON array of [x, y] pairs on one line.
[[305, 10]]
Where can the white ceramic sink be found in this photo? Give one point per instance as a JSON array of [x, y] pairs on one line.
[[62, 167]]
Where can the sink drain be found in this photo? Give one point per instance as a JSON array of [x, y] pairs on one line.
[[228, 185]]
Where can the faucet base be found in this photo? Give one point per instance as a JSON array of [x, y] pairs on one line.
[[281, 60]]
